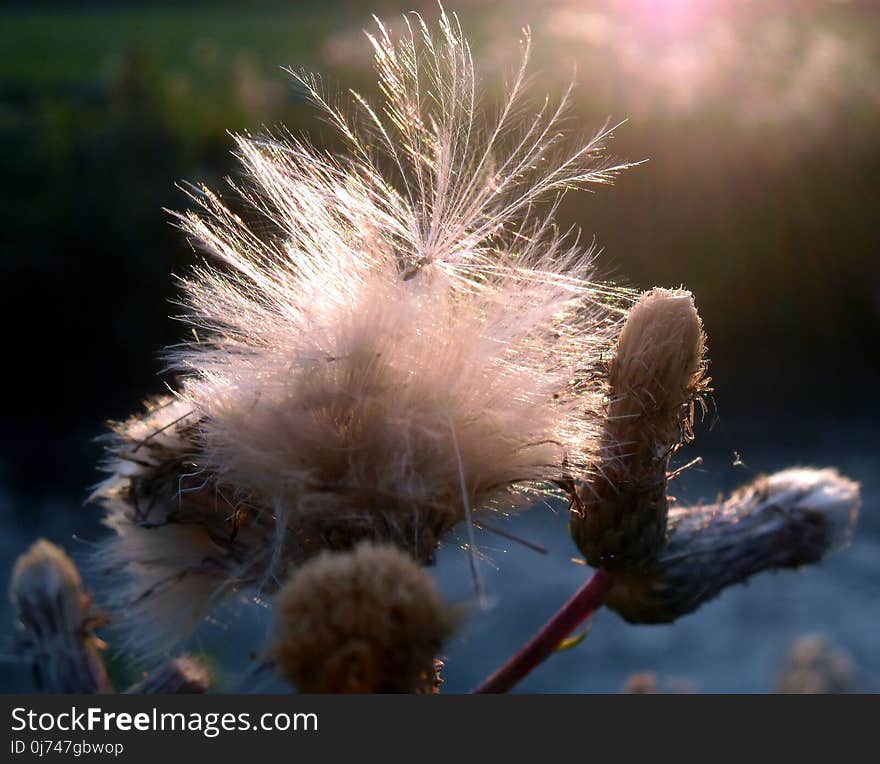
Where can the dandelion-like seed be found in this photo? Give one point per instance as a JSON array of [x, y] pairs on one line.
[[401, 340]]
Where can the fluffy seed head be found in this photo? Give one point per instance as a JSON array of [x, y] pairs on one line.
[[370, 620], [411, 338], [170, 555], [387, 339], [786, 520], [655, 377]]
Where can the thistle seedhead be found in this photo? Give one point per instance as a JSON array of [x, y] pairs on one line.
[[370, 620], [401, 341], [56, 622], [655, 377], [785, 520]]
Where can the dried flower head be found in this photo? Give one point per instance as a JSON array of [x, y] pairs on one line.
[[648, 683], [786, 520], [813, 667], [397, 339], [56, 622], [369, 620], [655, 378], [642, 683]]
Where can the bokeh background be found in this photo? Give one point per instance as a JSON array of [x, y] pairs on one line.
[[762, 193]]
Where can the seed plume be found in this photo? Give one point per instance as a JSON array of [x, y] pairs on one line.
[[387, 339]]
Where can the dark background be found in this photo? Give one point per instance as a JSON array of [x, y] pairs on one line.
[[760, 121]]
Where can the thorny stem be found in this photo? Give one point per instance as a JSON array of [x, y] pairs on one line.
[[586, 601]]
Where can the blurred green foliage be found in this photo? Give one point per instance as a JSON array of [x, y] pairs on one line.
[[760, 121]]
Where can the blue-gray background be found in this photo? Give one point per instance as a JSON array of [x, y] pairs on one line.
[[760, 120]]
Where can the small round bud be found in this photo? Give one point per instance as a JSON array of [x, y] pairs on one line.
[[369, 620]]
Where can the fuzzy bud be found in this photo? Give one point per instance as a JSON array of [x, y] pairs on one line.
[[786, 520], [56, 622], [643, 683], [657, 372], [369, 620], [812, 667], [648, 683]]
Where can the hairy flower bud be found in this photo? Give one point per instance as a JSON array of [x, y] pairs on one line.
[[786, 520], [56, 622], [813, 667], [655, 376], [370, 620]]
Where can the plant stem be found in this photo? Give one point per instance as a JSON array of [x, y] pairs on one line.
[[586, 601]]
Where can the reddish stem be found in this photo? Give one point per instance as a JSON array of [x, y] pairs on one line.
[[586, 601]]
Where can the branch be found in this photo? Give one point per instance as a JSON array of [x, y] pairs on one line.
[[586, 601]]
